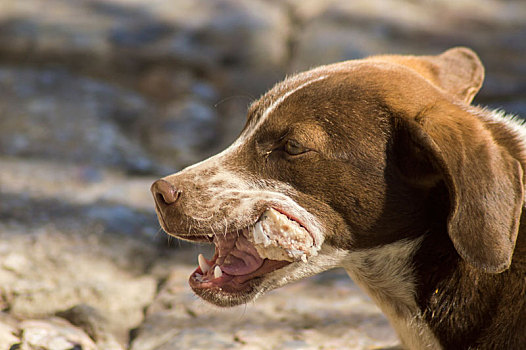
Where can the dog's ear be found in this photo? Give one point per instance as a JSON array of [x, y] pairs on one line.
[[457, 71], [485, 183]]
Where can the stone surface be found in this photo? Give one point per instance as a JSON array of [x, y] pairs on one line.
[[338, 30], [54, 334], [55, 272], [54, 257], [56, 115], [91, 321], [75, 198], [8, 330], [186, 131], [124, 35], [327, 311]]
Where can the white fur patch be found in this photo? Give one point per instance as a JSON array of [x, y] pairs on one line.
[[387, 275], [279, 101]]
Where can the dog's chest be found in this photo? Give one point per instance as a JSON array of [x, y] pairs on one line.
[[386, 274]]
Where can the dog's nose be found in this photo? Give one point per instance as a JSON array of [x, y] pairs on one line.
[[165, 193]]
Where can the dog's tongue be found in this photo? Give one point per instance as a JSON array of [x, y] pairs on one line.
[[236, 256]]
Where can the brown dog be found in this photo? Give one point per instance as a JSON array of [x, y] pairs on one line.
[[380, 166]]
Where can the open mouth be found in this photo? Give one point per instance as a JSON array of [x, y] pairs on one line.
[[240, 258]]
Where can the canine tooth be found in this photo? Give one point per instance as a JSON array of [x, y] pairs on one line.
[[210, 235], [202, 263], [217, 272]]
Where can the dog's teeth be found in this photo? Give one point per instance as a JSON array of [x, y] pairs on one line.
[[210, 235], [202, 263], [217, 272]]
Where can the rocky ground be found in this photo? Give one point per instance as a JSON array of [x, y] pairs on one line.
[[99, 98]]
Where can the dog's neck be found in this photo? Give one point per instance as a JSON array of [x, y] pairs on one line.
[[386, 274]]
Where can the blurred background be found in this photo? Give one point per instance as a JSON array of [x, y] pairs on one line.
[[98, 98]]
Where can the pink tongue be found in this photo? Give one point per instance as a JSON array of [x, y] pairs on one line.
[[237, 256]]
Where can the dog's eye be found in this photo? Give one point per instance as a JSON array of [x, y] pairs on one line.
[[294, 148]]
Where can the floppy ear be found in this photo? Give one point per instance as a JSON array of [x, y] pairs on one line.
[[457, 71], [483, 180]]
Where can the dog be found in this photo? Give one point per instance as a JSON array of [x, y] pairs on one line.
[[383, 167]]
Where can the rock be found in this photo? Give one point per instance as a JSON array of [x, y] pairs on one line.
[[66, 270], [167, 84], [64, 253], [57, 115], [8, 332], [337, 30], [86, 317], [15, 262], [186, 132], [319, 312], [74, 199], [53, 334], [110, 36], [93, 323], [121, 219]]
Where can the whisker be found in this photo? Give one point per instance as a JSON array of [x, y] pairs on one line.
[[158, 233], [212, 229], [248, 97], [244, 312]]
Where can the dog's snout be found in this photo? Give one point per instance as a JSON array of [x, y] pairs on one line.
[[165, 193]]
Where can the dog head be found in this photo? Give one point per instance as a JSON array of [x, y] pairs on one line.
[[342, 158]]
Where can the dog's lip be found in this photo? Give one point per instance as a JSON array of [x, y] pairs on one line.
[[293, 218], [195, 238]]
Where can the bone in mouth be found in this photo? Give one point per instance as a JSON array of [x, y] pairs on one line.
[[274, 237], [277, 237]]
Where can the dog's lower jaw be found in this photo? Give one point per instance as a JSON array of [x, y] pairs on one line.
[[386, 275], [223, 298], [327, 258]]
